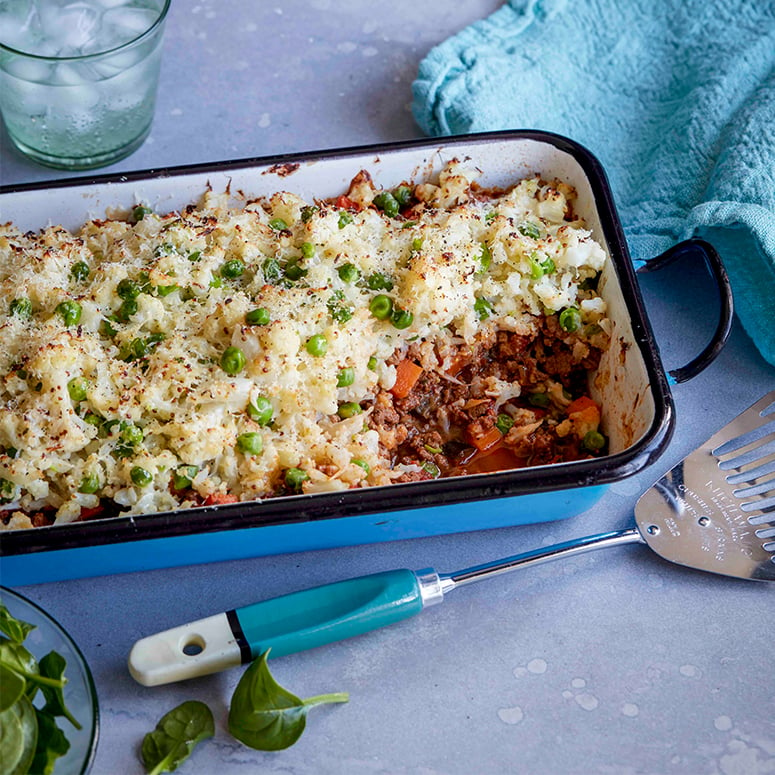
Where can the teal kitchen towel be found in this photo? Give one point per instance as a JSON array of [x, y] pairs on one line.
[[675, 97]]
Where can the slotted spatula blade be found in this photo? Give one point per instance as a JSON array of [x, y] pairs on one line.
[[715, 510]]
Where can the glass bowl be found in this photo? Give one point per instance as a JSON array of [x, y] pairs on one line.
[[80, 693]]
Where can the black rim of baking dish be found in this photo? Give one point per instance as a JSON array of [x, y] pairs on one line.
[[294, 509]]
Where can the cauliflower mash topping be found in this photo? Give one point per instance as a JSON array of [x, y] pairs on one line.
[[236, 351]]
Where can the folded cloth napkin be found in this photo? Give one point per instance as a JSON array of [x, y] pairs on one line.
[[675, 97]]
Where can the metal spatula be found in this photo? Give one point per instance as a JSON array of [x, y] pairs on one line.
[[714, 511]]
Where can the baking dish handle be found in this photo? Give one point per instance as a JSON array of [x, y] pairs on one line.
[[693, 248]]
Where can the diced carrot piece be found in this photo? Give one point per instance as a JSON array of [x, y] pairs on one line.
[[345, 203], [486, 440], [407, 374], [218, 498], [582, 402]]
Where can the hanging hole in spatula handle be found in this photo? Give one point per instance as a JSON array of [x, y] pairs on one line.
[[693, 248]]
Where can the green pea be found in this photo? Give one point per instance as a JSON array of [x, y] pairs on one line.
[[131, 434], [7, 490], [77, 388], [483, 308], [528, 229], [89, 484], [140, 476], [594, 441], [21, 308], [294, 271], [93, 419], [379, 282], [232, 269], [278, 224], [139, 212], [432, 469], [80, 271], [346, 377], [317, 345], [537, 270], [138, 349], [70, 311], [344, 218], [260, 410], [340, 312], [349, 273], [183, 477], [402, 195], [166, 290], [308, 212], [307, 249], [126, 310], [250, 443], [484, 260], [272, 270], [570, 319], [381, 306], [295, 477], [257, 317], [386, 202], [165, 249], [233, 361], [540, 400], [401, 318], [363, 464], [128, 289], [504, 423], [349, 409]]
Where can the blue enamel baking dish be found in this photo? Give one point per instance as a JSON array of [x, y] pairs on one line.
[[632, 384]]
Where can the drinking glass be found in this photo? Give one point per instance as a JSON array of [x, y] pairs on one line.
[[78, 78]]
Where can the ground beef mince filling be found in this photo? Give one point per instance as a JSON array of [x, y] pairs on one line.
[[448, 423]]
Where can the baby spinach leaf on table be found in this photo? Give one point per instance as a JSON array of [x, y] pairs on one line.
[[176, 735], [264, 715], [53, 666], [14, 628], [52, 744]]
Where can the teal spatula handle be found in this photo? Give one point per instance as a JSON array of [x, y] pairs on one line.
[[287, 624]]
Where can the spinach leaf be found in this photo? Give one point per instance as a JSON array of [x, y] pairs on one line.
[[14, 628], [52, 744], [265, 716], [15, 657], [53, 666], [175, 736], [30, 740], [12, 687], [18, 736]]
